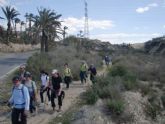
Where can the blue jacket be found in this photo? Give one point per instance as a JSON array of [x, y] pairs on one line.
[[20, 97]]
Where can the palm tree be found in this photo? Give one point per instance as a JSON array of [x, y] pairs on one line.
[[10, 14], [22, 23], [1, 17], [26, 16], [17, 20], [30, 21], [47, 23], [64, 32]]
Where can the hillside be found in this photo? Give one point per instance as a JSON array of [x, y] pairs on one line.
[[131, 91], [156, 46]]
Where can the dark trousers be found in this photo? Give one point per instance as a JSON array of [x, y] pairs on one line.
[[18, 116], [54, 94], [32, 105], [42, 90], [67, 80], [92, 78], [83, 76]]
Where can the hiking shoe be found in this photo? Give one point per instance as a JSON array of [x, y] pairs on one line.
[[41, 104], [59, 110], [49, 103]]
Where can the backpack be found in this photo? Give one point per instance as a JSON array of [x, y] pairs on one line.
[[22, 90], [62, 94]]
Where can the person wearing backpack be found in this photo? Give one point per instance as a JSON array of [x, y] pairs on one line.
[[93, 73], [83, 72], [67, 75], [20, 101], [22, 73], [45, 86], [56, 89], [32, 88]]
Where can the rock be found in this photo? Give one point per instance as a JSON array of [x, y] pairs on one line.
[[91, 115]]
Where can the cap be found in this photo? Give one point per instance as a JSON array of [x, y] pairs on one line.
[[22, 66], [16, 78], [27, 74], [54, 71]]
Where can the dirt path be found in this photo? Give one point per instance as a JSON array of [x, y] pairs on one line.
[[71, 95]]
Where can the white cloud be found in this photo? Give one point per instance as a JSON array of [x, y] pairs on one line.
[[153, 5], [142, 10], [120, 38], [146, 8], [75, 24], [3, 2]]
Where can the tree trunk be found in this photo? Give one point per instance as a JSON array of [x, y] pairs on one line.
[[8, 31], [42, 41], [46, 44]]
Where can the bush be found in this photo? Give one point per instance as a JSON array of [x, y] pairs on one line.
[[39, 62], [91, 96], [130, 81], [144, 88], [151, 111], [117, 71], [116, 106], [57, 57], [163, 100]]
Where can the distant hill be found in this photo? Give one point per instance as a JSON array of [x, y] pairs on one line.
[[138, 45], [156, 46]]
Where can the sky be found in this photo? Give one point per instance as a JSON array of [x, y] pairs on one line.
[[116, 21]]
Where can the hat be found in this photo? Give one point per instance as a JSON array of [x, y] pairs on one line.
[[27, 74], [16, 78], [22, 66], [54, 71]]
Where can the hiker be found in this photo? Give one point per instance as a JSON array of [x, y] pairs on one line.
[[107, 60], [93, 73], [32, 88], [22, 73], [83, 72], [67, 75], [45, 86], [20, 101], [56, 89]]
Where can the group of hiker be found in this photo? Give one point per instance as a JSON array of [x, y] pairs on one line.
[[24, 91]]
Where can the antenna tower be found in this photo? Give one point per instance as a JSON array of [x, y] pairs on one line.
[[86, 28]]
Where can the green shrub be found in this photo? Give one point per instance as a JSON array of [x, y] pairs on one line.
[[144, 88], [117, 71], [130, 81], [38, 62], [91, 96], [116, 106], [151, 111], [163, 100]]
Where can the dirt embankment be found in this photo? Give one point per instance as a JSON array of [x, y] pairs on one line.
[[17, 47]]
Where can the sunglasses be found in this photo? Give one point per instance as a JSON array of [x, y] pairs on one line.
[[15, 81]]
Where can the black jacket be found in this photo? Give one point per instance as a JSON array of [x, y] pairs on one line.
[[56, 82]]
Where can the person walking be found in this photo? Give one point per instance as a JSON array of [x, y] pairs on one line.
[[20, 101], [22, 71], [83, 72], [56, 89], [32, 88], [67, 75], [93, 73], [107, 60], [44, 87]]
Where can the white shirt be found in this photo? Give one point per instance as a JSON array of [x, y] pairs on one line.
[[44, 79]]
